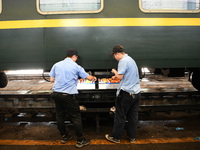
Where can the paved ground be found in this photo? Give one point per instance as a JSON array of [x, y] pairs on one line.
[[152, 134]]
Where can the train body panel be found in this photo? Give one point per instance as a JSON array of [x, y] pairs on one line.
[[22, 49], [29, 39], [151, 47]]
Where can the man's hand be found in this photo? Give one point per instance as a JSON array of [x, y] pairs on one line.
[[94, 79], [91, 78], [52, 79], [114, 77]]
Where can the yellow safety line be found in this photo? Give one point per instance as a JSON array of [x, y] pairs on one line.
[[99, 22], [98, 141]]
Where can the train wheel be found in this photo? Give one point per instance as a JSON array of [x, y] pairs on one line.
[[3, 80], [196, 80]]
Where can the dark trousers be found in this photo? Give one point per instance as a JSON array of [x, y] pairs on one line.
[[126, 109], [67, 103]]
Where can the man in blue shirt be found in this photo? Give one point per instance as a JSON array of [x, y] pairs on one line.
[[128, 96], [65, 75]]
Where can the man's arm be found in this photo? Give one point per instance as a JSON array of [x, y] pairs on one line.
[[119, 76]]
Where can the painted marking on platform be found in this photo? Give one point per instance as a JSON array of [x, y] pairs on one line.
[[98, 141]]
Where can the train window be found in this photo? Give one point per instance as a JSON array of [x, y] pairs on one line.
[[179, 6], [69, 6]]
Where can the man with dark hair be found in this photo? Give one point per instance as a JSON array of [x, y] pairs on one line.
[[128, 96], [65, 74]]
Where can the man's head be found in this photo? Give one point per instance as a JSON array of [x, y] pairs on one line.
[[118, 49], [72, 53], [118, 52]]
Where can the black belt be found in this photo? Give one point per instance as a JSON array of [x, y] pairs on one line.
[[65, 94], [132, 95]]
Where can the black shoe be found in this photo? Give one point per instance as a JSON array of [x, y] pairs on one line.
[[82, 143], [65, 139], [112, 139]]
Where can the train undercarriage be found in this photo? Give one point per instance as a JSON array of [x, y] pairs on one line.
[[98, 103]]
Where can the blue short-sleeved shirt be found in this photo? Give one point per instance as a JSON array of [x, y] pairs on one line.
[[130, 81], [66, 74]]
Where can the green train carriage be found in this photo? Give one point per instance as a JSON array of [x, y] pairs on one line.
[[34, 34]]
